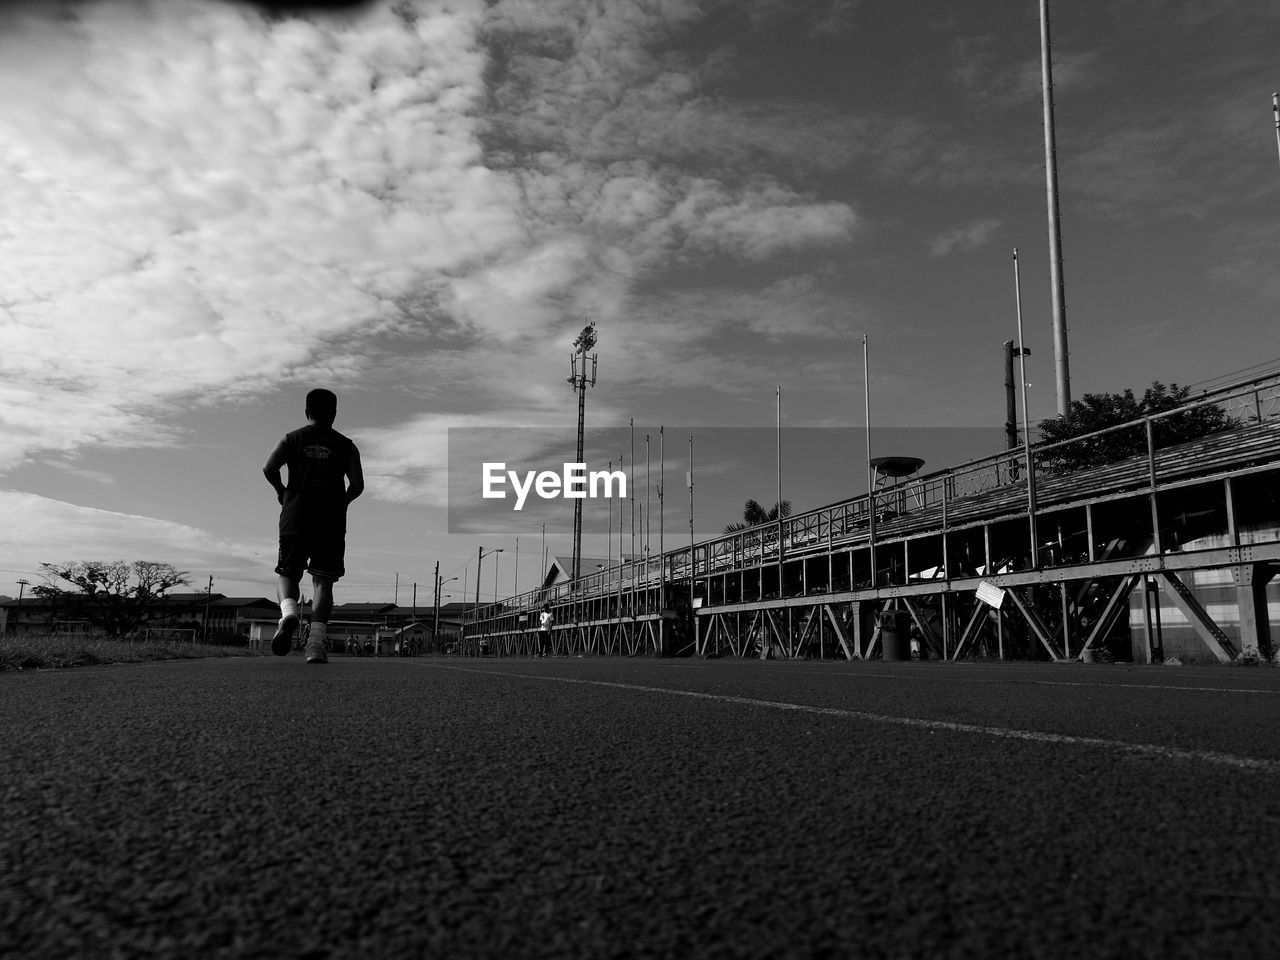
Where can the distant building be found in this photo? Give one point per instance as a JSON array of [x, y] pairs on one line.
[[180, 615]]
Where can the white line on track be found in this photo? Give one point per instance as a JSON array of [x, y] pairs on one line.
[[1034, 736], [925, 674], [1068, 683]]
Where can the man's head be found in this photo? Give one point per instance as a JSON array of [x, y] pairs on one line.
[[322, 407]]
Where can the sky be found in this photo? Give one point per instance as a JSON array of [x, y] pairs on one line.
[[208, 208]]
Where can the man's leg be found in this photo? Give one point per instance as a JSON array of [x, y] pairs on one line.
[[321, 607], [287, 592]]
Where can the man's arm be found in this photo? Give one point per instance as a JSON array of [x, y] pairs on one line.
[[271, 471], [355, 475]]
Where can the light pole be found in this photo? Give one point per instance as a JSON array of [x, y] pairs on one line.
[[579, 381], [1275, 109], [435, 630], [1061, 357], [481, 553]]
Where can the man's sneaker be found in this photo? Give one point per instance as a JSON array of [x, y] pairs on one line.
[[283, 639], [315, 650]]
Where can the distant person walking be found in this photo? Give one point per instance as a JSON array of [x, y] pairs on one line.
[[544, 631], [324, 477]]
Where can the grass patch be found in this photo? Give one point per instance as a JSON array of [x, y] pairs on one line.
[[50, 651]]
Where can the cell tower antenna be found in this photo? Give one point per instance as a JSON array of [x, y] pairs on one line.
[[579, 380]]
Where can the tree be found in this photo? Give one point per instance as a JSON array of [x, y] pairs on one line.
[[1098, 411], [753, 514], [115, 595]]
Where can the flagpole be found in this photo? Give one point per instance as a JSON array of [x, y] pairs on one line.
[[778, 402], [691, 614], [648, 507], [662, 464], [871, 485]]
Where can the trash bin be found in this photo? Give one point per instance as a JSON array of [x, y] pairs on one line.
[[894, 630]]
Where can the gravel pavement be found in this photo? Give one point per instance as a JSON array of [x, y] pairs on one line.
[[601, 808]]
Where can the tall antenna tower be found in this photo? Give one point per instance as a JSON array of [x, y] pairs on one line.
[[579, 381]]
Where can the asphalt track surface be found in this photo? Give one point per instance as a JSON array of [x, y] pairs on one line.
[[639, 808]]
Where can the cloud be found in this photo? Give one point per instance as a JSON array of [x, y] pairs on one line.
[[962, 239], [205, 204], [39, 529], [96, 476], [200, 202], [996, 78]]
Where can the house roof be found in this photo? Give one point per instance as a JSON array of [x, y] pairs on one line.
[[414, 625], [365, 608], [199, 597], [456, 607], [237, 602], [561, 567]]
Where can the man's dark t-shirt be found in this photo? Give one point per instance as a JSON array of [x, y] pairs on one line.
[[318, 459]]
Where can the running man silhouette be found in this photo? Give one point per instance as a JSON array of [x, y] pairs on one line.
[[324, 477]]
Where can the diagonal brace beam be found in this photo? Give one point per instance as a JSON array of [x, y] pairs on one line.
[[972, 630], [1114, 603], [1036, 624], [1209, 632]]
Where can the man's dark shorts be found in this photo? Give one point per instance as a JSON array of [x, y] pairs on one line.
[[314, 541]]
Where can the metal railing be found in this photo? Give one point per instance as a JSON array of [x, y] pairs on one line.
[[943, 496]]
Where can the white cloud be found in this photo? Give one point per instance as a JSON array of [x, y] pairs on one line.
[[962, 239], [198, 202], [202, 204], [39, 529]]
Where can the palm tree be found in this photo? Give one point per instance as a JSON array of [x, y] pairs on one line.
[[753, 514]]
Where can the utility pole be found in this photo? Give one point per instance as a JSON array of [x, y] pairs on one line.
[[578, 380], [22, 586], [207, 601], [435, 629], [1060, 353], [396, 598], [415, 601]]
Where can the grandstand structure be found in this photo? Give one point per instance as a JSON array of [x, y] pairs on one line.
[[1039, 554]]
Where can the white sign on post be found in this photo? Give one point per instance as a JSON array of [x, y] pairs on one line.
[[990, 594]]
